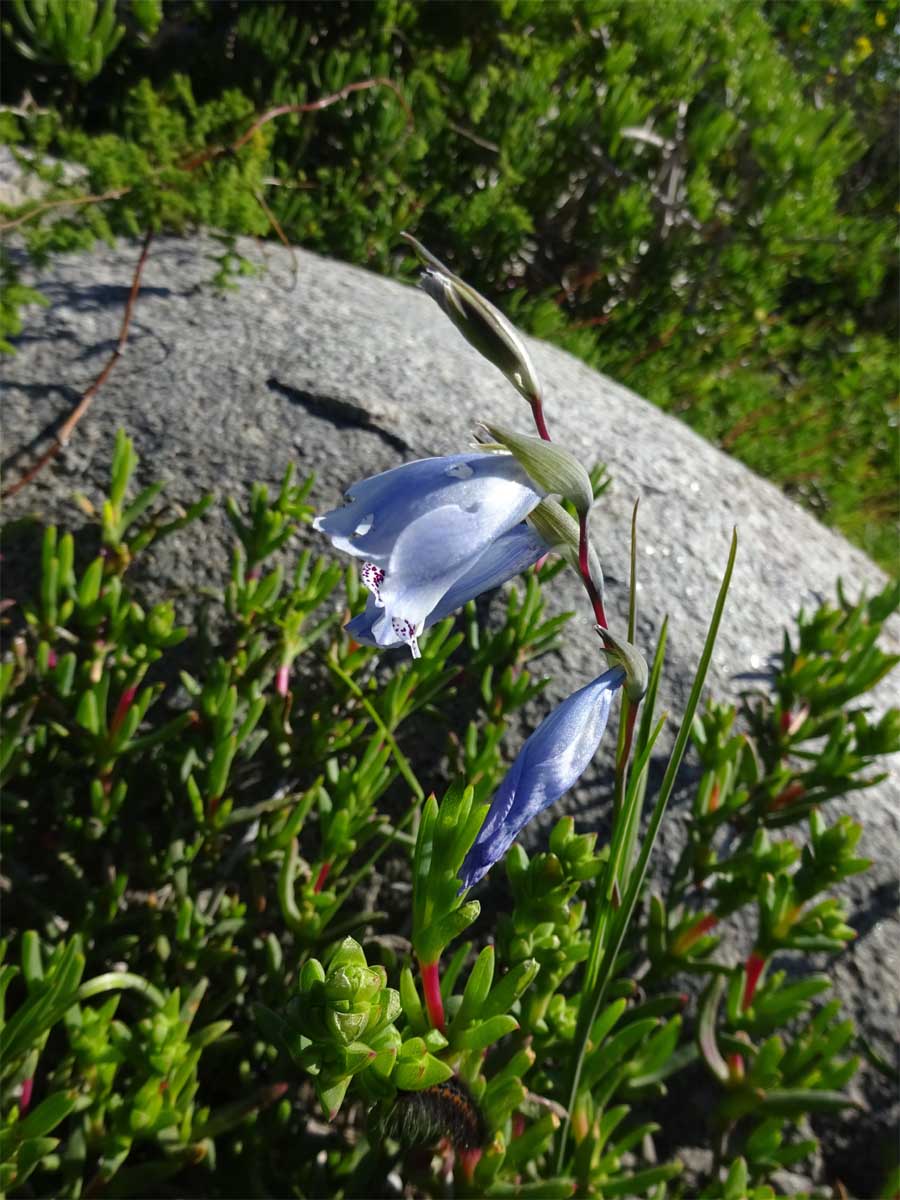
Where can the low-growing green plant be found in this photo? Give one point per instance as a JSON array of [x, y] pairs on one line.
[[216, 852]]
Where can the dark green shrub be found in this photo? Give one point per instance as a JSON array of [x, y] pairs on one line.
[[697, 197]]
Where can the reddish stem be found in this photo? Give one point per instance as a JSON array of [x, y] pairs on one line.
[[431, 984], [321, 877], [585, 572], [754, 967], [125, 702], [690, 936], [25, 1098], [537, 411]]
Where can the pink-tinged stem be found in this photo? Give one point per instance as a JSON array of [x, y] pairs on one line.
[[537, 411], [754, 967], [282, 678], [736, 1066], [469, 1161], [434, 1002], [793, 792], [693, 935], [51, 659], [321, 877], [25, 1098], [125, 702], [585, 572]]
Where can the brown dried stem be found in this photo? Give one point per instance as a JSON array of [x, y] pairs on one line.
[[68, 427]]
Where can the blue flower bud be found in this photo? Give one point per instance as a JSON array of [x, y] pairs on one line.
[[551, 761]]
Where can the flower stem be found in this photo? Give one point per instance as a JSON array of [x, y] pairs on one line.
[[431, 984], [585, 572], [537, 411]]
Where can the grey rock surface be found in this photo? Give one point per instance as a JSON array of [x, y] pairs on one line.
[[16, 186], [346, 374]]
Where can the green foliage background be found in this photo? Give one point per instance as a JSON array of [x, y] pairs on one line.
[[697, 197]]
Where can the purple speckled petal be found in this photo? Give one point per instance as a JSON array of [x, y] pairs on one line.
[[513, 552]]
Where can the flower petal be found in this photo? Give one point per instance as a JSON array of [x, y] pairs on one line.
[[510, 554], [551, 761], [379, 509]]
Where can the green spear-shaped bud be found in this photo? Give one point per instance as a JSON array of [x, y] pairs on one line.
[[630, 659], [483, 326], [549, 465]]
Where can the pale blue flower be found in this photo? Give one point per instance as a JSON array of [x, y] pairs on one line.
[[513, 552], [421, 527], [551, 761]]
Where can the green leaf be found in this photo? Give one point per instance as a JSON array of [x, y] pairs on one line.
[[48, 1114]]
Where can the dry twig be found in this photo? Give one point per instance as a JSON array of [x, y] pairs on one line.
[[68, 426]]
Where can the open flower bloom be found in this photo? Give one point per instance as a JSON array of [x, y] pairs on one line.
[[513, 552], [421, 527], [551, 761]]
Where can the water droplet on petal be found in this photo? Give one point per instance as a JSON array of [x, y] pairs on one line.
[[365, 525], [461, 470]]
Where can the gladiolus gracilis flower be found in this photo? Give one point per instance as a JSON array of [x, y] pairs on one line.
[[421, 527]]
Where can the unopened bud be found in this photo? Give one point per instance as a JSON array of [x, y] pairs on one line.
[[483, 326], [549, 465], [560, 531], [631, 660], [311, 973], [348, 952]]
